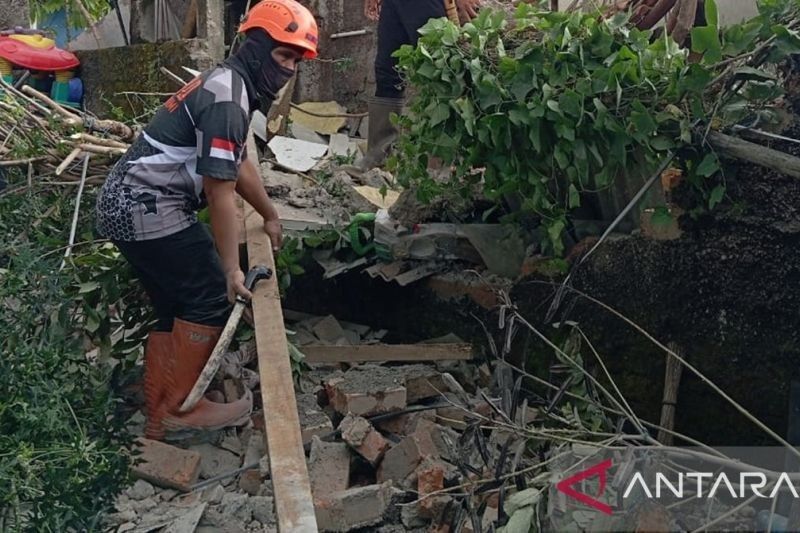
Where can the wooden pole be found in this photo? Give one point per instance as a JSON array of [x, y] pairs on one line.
[[672, 380], [735, 148]]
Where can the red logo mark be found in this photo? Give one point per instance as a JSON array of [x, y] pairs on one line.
[[565, 486]]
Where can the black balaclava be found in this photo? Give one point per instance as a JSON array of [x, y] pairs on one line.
[[263, 75]]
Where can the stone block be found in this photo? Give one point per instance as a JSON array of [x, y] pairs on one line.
[[313, 420], [328, 467], [354, 508], [165, 465]]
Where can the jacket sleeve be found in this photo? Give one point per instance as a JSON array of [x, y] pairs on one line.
[[221, 136]]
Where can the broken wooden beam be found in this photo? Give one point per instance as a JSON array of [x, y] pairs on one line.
[[386, 352], [735, 148], [294, 504]]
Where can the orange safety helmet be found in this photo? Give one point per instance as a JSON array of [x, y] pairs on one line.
[[287, 22]]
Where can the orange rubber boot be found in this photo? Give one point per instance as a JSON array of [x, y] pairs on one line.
[[157, 352], [192, 345]]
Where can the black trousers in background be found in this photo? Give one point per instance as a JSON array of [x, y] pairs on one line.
[[182, 275], [398, 25]]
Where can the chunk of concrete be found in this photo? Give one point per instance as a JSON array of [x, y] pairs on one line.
[[313, 420], [188, 522], [165, 465], [354, 508], [140, 490], [359, 434], [304, 133], [341, 145], [328, 466], [215, 461], [328, 329], [422, 382]]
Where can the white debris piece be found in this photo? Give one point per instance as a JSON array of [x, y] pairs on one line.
[[297, 155]]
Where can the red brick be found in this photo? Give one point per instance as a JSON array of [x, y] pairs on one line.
[[430, 478], [165, 465], [363, 438], [402, 460], [366, 391]]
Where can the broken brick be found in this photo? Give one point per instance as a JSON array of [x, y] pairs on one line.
[[430, 479], [353, 508], [165, 465], [328, 466], [313, 420], [367, 390], [363, 438], [250, 482], [402, 460], [422, 382]]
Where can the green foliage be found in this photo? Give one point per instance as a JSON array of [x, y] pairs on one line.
[[41, 9], [553, 105], [64, 335]]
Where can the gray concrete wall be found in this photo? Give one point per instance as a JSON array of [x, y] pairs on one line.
[[344, 70]]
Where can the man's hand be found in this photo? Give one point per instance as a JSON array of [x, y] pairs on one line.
[[468, 9], [372, 9], [275, 231], [235, 282]]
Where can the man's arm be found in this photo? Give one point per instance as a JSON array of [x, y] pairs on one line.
[[250, 187], [225, 227]]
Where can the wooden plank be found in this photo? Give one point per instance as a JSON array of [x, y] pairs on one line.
[[293, 501], [386, 352]]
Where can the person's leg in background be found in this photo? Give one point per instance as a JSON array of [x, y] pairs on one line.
[[398, 25]]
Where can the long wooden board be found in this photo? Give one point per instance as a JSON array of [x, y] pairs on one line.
[[386, 352], [293, 501]]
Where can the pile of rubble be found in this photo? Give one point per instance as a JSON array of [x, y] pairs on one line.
[[378, 436]]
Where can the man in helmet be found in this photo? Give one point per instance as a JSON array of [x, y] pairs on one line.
[[193, 154], [398, 23]]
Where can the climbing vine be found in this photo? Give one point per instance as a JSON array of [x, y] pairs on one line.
[[548, 106]]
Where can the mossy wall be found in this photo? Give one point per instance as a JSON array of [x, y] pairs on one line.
[[108, 72]]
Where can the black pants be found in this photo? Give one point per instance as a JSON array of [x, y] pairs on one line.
[[398, 25], [182, 275]]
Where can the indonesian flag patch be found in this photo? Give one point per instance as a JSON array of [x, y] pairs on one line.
[[222, 149]]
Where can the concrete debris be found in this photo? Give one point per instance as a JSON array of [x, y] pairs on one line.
[[297, 155], [342, 146], [141, 490], [354, 508], [215, 461], [328, 329], [423, 382], [328, 467], [165, 465], [367, 390], [304, 133], [188, 522], [402, 460], [214, 494], [359, 434], [313, 420]]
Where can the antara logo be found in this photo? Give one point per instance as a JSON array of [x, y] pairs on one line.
[[601, 470]]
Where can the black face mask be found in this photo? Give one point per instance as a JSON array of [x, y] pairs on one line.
[[263, 75]]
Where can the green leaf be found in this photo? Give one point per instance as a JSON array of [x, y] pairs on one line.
[[439, 114], [712, 17], [574, 197], [523, 498], [705, 40], [717, 193], [662, 143], [89, 286], [749, 73], [708, 166], [553, 105]]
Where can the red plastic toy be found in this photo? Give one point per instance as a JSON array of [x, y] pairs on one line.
[[31, 49]]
